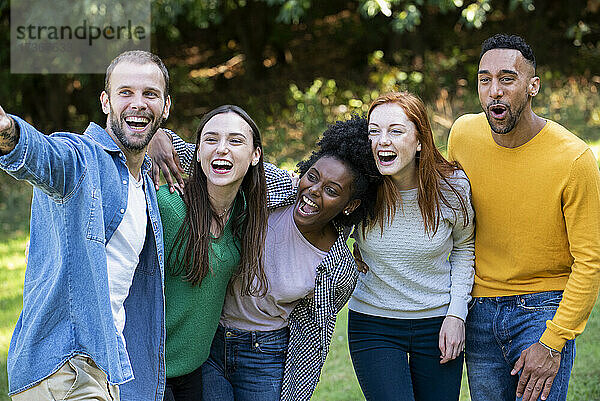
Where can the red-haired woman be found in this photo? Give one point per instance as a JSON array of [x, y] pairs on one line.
[[406, 320]]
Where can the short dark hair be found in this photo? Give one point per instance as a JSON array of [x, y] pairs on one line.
[[504, 41], [137, 57], [348, 142]]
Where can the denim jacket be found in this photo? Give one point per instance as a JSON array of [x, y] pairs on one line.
[[79, 198]]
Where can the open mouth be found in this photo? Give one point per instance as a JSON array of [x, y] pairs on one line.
[[137, 123], [307, 207], [386, 156], [498, 111], [221, 166]]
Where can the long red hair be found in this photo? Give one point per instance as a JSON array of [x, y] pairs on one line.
[[432, 170]]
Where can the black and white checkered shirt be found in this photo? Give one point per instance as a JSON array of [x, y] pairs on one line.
[[312, 321]]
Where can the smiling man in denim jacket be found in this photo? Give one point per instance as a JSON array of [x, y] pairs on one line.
[[92, 323]]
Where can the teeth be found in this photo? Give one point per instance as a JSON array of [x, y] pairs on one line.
[[134, 119], [386, 153], [222, 163], [308, 201]]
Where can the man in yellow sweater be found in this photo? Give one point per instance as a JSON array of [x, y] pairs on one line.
[[536, 195]]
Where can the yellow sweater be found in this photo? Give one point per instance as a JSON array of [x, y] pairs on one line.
[[537, 214]]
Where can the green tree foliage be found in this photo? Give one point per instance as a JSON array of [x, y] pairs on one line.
[[257, 24]]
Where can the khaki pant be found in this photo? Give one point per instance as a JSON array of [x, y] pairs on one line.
[[78, 379]]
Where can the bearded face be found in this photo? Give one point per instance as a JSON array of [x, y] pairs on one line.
[[503, 85], [136, 104], [134, 129]]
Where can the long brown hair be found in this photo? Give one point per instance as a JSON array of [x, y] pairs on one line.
[[249, 223], [432, 170]]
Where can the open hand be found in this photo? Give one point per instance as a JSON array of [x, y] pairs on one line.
[[538, 366], [165, 159]]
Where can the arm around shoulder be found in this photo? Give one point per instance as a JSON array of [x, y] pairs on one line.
[[168, 153], [280, 186], [185, 151]]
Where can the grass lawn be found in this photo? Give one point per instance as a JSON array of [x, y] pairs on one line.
[[12, 271], [338, 382]]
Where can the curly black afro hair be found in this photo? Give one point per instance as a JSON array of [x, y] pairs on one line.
[[348, 141], [504, 41]]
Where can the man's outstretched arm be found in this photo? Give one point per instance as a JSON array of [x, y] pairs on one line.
[[53, 164]]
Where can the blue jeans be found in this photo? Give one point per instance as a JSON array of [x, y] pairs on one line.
[[245, 365], [498, 329], [399, 359]]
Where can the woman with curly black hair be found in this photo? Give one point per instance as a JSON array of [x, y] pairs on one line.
[[273, 347]]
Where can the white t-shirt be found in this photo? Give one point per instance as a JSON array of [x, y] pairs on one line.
[[123, 251]]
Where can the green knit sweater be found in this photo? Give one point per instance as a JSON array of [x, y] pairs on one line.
[[192, 312]]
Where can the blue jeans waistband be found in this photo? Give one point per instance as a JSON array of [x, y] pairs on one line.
[[521, 297], [233, 334]]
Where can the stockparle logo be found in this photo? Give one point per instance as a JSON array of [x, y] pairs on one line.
[[75, 37]]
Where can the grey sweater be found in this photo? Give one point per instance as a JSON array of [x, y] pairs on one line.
[[413, 275]]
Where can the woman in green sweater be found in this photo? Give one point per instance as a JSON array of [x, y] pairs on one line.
[[212, 232]]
